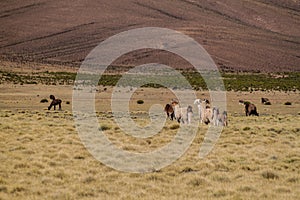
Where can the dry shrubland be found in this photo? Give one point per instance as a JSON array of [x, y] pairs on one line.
[[42, 156]]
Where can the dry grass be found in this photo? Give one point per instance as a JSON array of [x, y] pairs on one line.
[[42, 156]]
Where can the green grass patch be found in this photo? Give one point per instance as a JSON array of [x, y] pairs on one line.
[[232, 81]]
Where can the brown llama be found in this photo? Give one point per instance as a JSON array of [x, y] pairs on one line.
[[55, 102], [250, 109], [170, 111]]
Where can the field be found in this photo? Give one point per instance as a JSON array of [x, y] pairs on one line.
[[254, 44], [42, 156]]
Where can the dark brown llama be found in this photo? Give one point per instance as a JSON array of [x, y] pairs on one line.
[[170, 111], [55, 102], [250, 109]]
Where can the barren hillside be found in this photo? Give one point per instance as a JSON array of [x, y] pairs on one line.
[[246, 35]]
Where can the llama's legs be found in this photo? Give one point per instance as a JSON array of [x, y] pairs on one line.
[[189, 118]]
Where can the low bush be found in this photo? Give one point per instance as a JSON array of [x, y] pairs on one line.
[[269, 175], [44, 101], [174, 126], [139, 101], [104, 127], [246, 128]]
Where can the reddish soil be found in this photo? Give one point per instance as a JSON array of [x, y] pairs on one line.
[[256, 35]]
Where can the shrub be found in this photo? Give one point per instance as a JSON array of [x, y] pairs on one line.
[[104, 127], [292, 180], [67, 102], [139, 101], [288, 103], [174, 126], [246, 128], [44, 101], [3, 189], [197, 182], [269, 175]]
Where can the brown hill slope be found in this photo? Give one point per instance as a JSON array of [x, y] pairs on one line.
[[239, 34]]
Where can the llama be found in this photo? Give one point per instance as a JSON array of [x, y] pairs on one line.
[[183, 115], [224, 119], [218, 118], [170, 111], [177, 112], [250, 109], [215, 116], [265, 101], [55, 102], [189, 114], [208, 115], [201, 104]]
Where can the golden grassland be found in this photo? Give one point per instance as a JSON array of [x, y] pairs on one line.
[[42, 156]]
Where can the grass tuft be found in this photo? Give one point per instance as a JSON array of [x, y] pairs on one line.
[[174, 126], [105, 127], [3, 189], [269, 175], [247, 128], [44, 101], [197, 182], [187, 170], [293, 180], [140, 101], [246, 189], [18, 189], [220, 193], [89, 180]]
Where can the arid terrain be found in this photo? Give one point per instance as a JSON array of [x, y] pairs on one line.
[[256, 35], [255, 44], [42, 156]]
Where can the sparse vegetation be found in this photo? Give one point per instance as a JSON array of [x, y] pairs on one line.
[[44, 101], [174, 126], [140, 101], [269, 175], [105, 127], [233, 81], [246, 128], [251, 154]]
